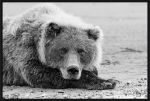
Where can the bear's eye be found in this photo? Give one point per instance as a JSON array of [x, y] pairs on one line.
[[63, 50], [80, 51]]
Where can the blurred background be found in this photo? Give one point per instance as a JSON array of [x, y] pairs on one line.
[[114, 18]]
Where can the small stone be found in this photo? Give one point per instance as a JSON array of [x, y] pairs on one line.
[[79, 94], [128, 83], [139, 85], [65, 96], [60, 92], [89, 97]]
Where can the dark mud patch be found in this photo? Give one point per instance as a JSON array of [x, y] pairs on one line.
[[108, 62], [130, 50]]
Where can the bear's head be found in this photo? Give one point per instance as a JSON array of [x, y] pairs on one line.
[[70, 49]]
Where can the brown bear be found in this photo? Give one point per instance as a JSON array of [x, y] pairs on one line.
[[48, 48]]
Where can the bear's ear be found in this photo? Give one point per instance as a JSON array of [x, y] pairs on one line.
[[53, 30], [94, 33]]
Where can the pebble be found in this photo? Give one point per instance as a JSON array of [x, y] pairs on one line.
[[65, 96], [60, 92]]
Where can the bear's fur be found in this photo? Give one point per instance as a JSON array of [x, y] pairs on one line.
[[40, 45]]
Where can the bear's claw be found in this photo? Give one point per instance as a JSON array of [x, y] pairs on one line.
[[108, 84]]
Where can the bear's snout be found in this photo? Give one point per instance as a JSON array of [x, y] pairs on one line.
[[73, 70]]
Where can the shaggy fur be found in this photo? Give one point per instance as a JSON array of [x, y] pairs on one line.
[[31, 50]]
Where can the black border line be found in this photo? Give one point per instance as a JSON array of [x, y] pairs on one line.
[[148, 37], [75, 0]]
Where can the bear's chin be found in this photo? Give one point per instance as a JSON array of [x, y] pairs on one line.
[[76, 77], [72, 77]]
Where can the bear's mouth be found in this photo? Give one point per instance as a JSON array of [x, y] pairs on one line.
[[71, 77]]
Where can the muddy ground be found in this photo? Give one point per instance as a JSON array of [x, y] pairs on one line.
[[124, 51]]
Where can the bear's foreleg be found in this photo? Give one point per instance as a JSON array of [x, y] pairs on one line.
[[89, 80], [37, 75]]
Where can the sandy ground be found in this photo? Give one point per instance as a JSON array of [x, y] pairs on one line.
[[124, 57]]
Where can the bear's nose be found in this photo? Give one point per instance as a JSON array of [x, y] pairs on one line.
[[73, 70]]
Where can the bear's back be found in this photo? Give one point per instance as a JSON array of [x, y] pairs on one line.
[[41, 14]]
